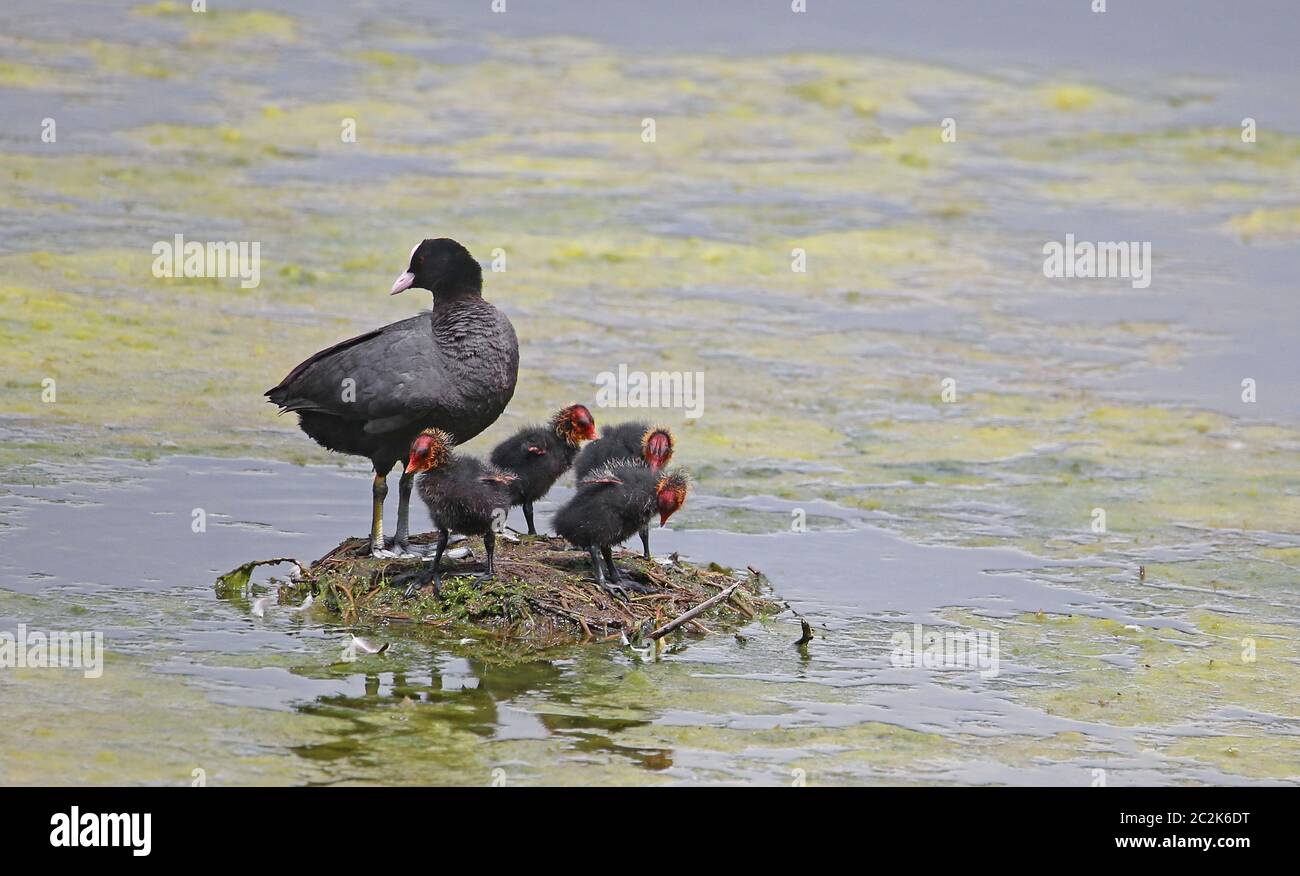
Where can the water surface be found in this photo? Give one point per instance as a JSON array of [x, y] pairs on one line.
[[1121, 650]]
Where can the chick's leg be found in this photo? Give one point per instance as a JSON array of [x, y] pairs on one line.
[[617, 578], [435, 577], [489, 547]]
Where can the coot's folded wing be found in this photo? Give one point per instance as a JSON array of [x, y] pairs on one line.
[[385, 378]]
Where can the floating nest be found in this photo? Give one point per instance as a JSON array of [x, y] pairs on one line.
[[543, 594]]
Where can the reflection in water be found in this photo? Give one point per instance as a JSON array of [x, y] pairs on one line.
[[477, 698]]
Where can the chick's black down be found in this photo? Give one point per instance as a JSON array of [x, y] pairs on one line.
[[463, 495], [606, 511], [615, 443], [534, 473]]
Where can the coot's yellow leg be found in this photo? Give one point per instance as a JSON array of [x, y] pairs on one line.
[[378, 490]]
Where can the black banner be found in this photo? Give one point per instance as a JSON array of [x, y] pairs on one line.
[[329, 825]]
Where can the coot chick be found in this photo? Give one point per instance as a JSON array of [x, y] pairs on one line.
[[463, 494], [639, 442], [612, 503], [538, 455], [452, 368]]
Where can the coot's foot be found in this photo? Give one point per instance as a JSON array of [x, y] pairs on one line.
[[613, 588], [414, 587], [625, 578], [407, 551], [419, 581], [397, 550], [621, 587], [635, 586], [413, 580], [620, 577]]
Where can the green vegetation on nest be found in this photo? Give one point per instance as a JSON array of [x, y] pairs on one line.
[[542, 595]]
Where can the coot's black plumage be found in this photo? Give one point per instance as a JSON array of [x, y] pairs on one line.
[[463, 495], [538, 455], [612, 503], [453, 368], [637, 442]]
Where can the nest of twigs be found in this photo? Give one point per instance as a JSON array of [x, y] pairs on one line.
[[543, 593]]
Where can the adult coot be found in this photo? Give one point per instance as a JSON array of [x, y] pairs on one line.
[[538, 455], [612, 503], [640, 443], [453, 368]]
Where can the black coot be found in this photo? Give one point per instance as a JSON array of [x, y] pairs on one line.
[[642, 443], [538, 455], [463, 495], [612, 503], [453, 368]]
